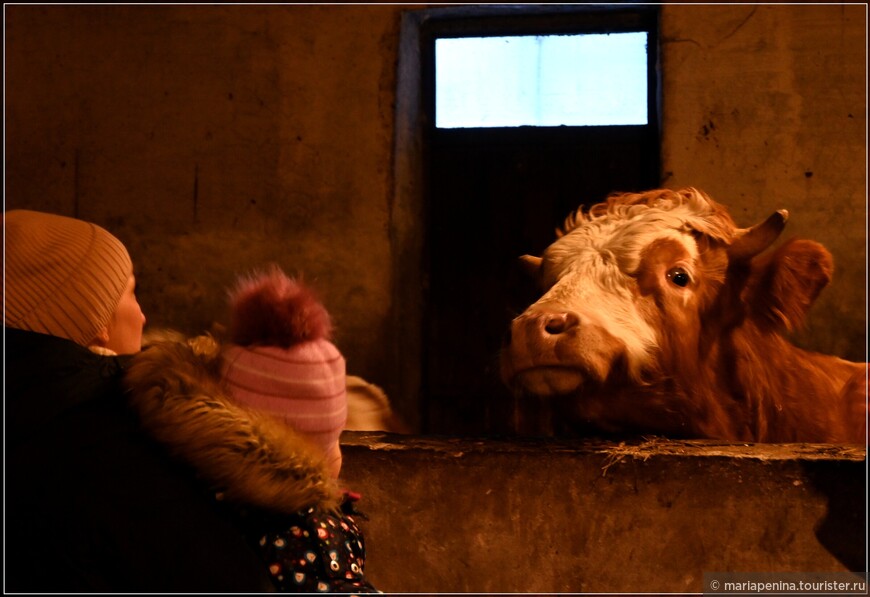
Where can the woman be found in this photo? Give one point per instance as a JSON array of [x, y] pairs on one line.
[[98, 500]]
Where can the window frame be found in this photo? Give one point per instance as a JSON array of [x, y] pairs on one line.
[[544, 20]]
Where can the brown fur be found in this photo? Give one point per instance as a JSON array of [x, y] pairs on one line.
[[250, 458], [718, 224], [739, 379]]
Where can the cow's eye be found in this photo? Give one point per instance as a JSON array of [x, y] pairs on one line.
[[679, 276]]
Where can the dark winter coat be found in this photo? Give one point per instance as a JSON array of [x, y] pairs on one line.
[[92, 503]]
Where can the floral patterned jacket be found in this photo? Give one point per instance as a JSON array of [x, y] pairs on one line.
[[314, 551]]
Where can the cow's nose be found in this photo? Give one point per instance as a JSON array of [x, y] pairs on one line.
[[559, 323]]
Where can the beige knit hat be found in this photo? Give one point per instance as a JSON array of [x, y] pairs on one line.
[[63, 277]]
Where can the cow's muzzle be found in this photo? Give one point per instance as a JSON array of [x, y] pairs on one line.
[[539, 354], [554, 350]]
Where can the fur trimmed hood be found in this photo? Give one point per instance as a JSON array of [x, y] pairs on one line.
[[175, 388]]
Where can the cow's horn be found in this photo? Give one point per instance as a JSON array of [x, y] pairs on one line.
[[749, 242], [531, 264]]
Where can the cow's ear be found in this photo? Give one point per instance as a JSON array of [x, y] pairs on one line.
[[790, 280], [531, 265]]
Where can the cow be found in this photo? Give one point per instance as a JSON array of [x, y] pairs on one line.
[[660, 316]]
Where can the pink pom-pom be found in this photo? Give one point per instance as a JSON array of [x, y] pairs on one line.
[[272, 309]]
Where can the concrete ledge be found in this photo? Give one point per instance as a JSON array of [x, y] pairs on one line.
[[549, 516]]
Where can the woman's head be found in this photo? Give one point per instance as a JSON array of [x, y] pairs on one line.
[[71, 279]]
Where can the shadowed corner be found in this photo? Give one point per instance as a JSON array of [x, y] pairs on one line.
[[843, 529]]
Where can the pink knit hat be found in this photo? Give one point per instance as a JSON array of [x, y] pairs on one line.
[[281, 360]]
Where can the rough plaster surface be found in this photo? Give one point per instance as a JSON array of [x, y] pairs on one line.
[[216, 139], [461, 515], [765, 108], [213, 140]]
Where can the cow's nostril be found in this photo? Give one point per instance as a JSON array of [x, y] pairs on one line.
[[559, 323]]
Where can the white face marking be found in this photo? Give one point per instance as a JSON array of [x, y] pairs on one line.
[[591, 271]]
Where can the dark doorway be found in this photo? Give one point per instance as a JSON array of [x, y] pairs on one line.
[[493, 194]]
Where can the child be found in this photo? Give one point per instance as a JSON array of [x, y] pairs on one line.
[[281, 362]]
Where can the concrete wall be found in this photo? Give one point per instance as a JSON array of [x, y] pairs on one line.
[[450, 515], [765, 108], [215, 139]]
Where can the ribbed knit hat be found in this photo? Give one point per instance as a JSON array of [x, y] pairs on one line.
[[63, 277], [281, 360]]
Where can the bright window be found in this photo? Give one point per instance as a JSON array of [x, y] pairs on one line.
[[541, 80]]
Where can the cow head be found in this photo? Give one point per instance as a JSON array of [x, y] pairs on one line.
[[638, 291]]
